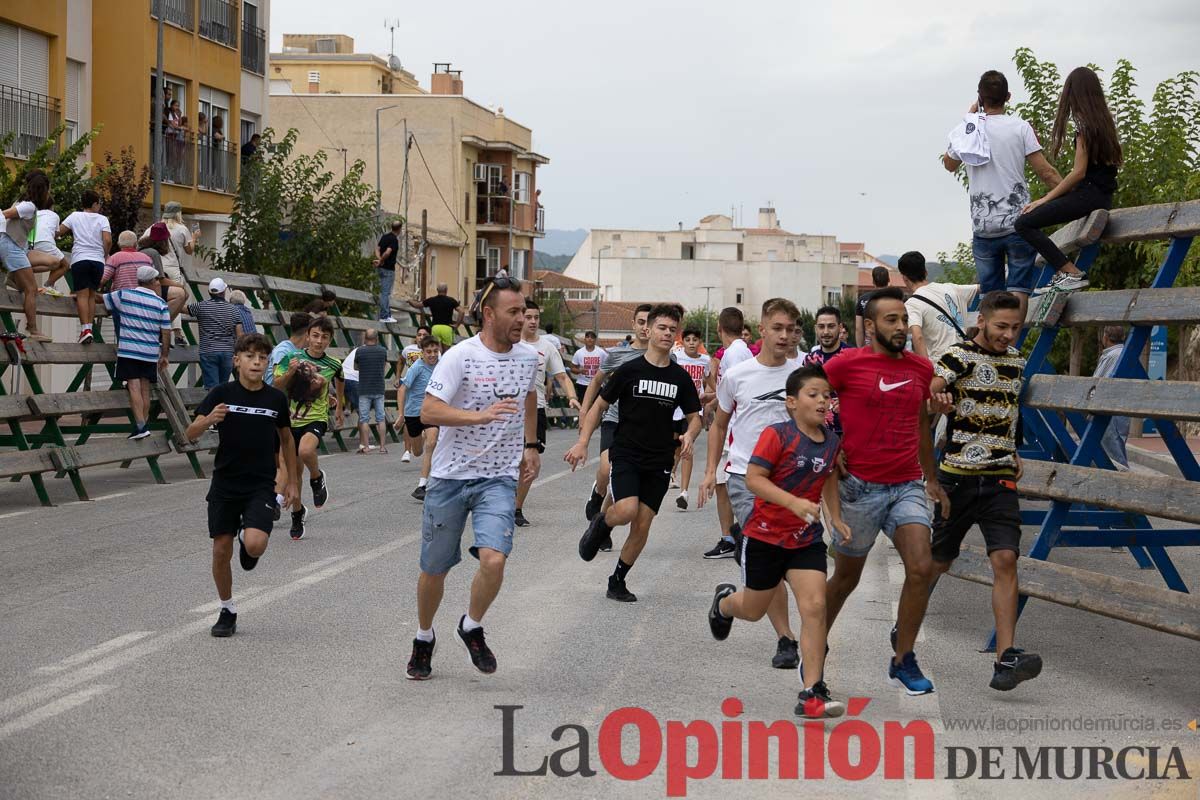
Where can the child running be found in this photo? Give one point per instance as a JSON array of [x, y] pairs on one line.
[[792, 470], [252, 423], [422, 438], [696, 364]]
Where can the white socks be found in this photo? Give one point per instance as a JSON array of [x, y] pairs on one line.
[[683, 493], [279, 500], [425, 636], [422, 482], [229, 605], [469, 624]]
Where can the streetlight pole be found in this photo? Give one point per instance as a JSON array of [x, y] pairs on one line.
[[345, 162], [157, 116], [707, 309], [596, 320]]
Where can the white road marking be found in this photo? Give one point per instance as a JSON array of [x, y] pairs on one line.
[[316, 565], [15, 513], [110, 496], [93, 653], [49, 710]]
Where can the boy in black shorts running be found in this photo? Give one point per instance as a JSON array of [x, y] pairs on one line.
[[791, 472], [253, 424], [643, 449]]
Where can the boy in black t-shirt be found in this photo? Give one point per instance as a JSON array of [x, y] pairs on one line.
[[643, 450], [253, 423]]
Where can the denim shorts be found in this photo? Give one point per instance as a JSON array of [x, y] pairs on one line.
[[741, 498], [366, 402], [12, 254], [491, 502], [991, 254], [871, 507]]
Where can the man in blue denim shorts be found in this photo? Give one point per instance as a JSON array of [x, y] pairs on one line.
[[481, 395], [883, 393]]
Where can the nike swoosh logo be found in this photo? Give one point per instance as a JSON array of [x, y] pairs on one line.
[[887, 387]]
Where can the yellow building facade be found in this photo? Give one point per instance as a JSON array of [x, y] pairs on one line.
[[327, 64]]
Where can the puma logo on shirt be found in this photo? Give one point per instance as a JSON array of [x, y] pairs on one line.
[[656, 390]]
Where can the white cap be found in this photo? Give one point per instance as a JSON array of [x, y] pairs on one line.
[[146, 274], [217, 286]]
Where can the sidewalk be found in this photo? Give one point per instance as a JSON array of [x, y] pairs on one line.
[[1151, 451]]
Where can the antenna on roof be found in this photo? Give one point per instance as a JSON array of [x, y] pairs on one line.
[[391, 23]]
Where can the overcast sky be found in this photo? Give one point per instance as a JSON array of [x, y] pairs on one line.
[[656, 112]]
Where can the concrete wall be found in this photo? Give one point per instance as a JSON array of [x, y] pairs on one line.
[[361, 74]]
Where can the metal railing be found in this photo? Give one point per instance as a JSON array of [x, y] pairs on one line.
[[218, 165], [179, 155], [254, 49], [219, 22], [540, 224], [32, 117], [176, 12]]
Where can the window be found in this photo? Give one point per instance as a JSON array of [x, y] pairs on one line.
[[738, 296], [631, 252], [491, 175], [467, 206], [616, 237], [772, 255], [248, 125], [73, 109], [645, 252], [517, 263], [493, 260], [213, 104], [833, 297], [687, 251], [481, 248], [521, 187], [25, 106], [326, 46]]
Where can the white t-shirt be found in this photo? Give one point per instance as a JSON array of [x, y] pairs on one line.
[[938, 331], [87, 228], [589, 362], [555, 340], [177, 249], [737, 352], [697, 369], [998, 190], [470, 376], [47, 224], [549, 363], [756, 396], [348, 371]]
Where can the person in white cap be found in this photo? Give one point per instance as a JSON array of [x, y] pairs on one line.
[[218, 322], [143, 341]]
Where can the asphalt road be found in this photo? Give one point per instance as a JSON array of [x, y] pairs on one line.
[[110, 685]]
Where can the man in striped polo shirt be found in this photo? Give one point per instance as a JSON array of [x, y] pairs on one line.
[[142, 341], [218, 333]]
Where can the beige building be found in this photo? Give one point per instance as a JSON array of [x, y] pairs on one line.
[[715, 265], [472, 172], [319, 63]]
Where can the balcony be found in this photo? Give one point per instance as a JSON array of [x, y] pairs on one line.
[[176, 12], [254, 49], [30, 117], [218, 166], [540, 225], [179, 155], [219, 22]]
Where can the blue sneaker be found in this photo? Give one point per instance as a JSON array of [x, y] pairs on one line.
[[908, 676]]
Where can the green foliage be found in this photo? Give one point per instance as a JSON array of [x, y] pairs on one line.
[[699, 318], [959, 266], [295, 219], [68, 178], [551, 262], [123, 188], [555, 312], [808, 320]]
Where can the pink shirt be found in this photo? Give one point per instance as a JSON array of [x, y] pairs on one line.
[[122, 267]]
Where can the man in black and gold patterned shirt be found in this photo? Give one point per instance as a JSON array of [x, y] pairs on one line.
[[980, 466]]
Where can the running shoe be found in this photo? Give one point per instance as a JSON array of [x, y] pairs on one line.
[[140, 432], [1015, 666], [907, 675], [388, 318], [519, 519], [681, 502], [589, 543], [247, 561], [407, 457], [419, 493], [816, 703], [85, 337], [278, 512], [617, 590], [787, 654], [226, 624], [606, 546], [298, 523], [724, 549], [419, 666], [477, 649], [718, 623], [674, 481], [1062, 282], [50, 291], [320, 490], [593, 504], [179, 341]]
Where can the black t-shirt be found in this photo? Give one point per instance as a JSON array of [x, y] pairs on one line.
[[860, 308], [648, 396], [249, 438], [389, 242], [441, 309]]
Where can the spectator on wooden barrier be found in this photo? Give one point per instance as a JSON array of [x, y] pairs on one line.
[[218, 321], [93, 239], [18, 222], [320, 307], [385, 266], [143, 341], [445, 314], [44, 254], [155, 244], [371, 361], [238, 299], [121, 268], [1112, 342], [180, 246], [298, 325]]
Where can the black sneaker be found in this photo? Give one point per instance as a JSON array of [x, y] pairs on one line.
[[278, 512], [298, 523], [815, 703], [606, 546], [519, 519], [320, 490], [419, 667], [419, 493], [248, 561], [1015, 666], [787, 654], [226, 624], [617, 590], [717, 623], [724, 549], [477, 649], [681, 502], [589, 543], [592, 508]]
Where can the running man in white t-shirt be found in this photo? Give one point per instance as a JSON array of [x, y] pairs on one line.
[[696, 364], [937, 312], [750, 397], [585, 363]]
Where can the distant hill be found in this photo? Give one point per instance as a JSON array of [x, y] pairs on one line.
[[546, 261], [561, 242]]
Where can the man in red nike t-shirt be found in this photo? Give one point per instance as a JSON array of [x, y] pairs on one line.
[[882, 391]]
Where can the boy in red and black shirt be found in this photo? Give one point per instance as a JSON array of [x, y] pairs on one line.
[[792, 470]]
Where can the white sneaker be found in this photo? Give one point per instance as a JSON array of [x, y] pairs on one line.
[[407, 457], [389, 319]]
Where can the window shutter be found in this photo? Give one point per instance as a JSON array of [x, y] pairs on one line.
[[74, 79], [10, 55], [35, 62]]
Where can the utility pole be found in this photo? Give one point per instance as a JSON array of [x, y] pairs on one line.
[[379, 162], [405, 188], [156, 203], [424, 292]]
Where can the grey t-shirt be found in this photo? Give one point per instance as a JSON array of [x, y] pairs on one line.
[[615, 358], [371, 361]]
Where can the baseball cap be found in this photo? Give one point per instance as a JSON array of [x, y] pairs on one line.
[[146, 274], [217, 286], [173, 207], [159, 232]]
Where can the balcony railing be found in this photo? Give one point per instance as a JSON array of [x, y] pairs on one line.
[[29, 116], [176, 12], [219, 22], [179, 155], [540, 225], [218, 165], [254, 49]]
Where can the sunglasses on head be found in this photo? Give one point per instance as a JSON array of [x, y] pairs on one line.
[[497, 283]]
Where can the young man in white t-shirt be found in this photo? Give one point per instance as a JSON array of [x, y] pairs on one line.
[[750, 397], [586, 363], [998, 191], [937, 312], [697, 365], [482, 397], [92, 241]]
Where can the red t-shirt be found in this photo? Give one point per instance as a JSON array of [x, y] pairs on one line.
[[799, 466], [880, 400]]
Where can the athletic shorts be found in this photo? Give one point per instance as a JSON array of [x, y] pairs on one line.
[[722, 475], [680, 427], [415, 427], [741, 499], [982, 500], [227, 516], [608, 432], [869, 508], [628, 479], [317, 429], [541, 426], [87, 275], [443, 333], [764, 565], [133, 368]]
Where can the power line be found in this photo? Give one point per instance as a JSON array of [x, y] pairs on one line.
[[466, 236], [300, 98]]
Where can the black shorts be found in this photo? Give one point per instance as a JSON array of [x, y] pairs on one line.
[[608, 432], [317, 429], [764, 565], [580, 391], [541, 426], [679, 426], [86, 275], [129, 368], [983, 500], [627, 478], [227, 516], [415, 427]]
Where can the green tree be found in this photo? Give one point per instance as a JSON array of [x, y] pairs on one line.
[[68, 176], [123, 189], [703, 319], [556, 312]]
